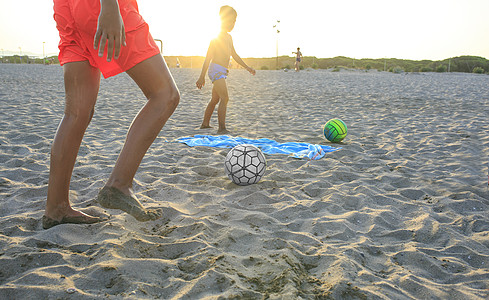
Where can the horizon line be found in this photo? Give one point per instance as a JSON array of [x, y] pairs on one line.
[[48, 55]]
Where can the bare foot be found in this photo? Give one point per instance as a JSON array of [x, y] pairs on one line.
[[111, 197], [223, 131], [78, 218], [205, 126]]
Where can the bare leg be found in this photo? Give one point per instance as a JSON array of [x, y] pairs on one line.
[[81, 86], [210, 109], [221, 89], [156, 82]]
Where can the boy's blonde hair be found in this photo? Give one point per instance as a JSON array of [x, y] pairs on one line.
[[227, 12]]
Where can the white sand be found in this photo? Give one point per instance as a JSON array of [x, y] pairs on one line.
[[400, 212]]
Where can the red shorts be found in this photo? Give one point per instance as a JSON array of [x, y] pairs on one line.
[[77, 21]]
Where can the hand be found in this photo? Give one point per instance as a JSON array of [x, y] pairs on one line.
[[200, 83], [251, 70], [110, 30]]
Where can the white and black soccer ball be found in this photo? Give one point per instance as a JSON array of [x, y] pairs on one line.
[[245, 164]]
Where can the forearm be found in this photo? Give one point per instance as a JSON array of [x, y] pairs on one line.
[[205, 66], [238, 59], [208, 58]]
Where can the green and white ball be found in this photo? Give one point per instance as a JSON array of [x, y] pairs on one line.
[[335, 130]]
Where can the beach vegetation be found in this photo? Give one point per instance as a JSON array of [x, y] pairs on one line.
[[478, 70], [426, 69], [24, 59], [464, 64], [339, 68], [264, 68], [441, 69], [396, 70]]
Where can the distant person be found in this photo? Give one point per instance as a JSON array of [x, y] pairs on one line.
[[217, 61], [107, 36], [298, 59]]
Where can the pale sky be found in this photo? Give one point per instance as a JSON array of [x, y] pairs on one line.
[[414, 29]]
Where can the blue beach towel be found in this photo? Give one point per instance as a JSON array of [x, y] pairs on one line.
[[297, 150]]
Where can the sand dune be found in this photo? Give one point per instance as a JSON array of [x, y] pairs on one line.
[[400, 212]]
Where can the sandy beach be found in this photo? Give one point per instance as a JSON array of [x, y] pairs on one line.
[[401, 211]]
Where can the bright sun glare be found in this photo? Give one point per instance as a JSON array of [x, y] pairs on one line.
[[414, 29], [198, 23]]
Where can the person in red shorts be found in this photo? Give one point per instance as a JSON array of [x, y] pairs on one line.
[[105, 37]]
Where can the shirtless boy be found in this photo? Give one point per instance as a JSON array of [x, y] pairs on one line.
[[298, 59], [217, 62]]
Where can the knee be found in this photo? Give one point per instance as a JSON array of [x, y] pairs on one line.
[[224, 100], [79, 115], [173, 98], [166, 100]]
